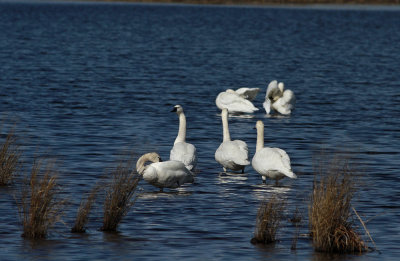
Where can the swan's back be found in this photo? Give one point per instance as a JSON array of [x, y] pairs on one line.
[[185, 153], [168, 174], [272, 162], [232, 154], [234, 103]]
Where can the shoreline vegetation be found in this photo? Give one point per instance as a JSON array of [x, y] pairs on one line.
[[264, 2]]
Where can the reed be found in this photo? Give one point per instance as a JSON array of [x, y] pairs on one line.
[[268, 220], [120, 194], [82, 216], [330, 216], [39, 205], [9, 158]]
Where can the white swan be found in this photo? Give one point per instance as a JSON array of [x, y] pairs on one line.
[[273, 163], [166, 174], [231, 155], [234, 102], [183, 151], [278, 99]]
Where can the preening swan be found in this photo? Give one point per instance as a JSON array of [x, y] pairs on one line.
[[183, 151], [231, 155], [278, 99], [166, 174], [235, 102], [273, 163]]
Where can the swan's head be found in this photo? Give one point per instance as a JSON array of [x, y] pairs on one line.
[[152, 156], [178, 109], [281, 86]]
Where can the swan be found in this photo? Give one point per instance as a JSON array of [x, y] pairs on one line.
[[273, 163], [278, 99], [183, 151], [163, 174], [248, 93], [234, 102], [231, 155]]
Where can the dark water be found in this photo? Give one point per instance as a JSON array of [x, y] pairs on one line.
[[84, 82]]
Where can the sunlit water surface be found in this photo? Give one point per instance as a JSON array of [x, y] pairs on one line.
[[82, 83]]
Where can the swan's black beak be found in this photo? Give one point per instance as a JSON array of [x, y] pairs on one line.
[[160, 159], [174, 109]]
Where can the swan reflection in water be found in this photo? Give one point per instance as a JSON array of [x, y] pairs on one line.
[[263, 191], [239, 115], [231, 177], [182, 191]]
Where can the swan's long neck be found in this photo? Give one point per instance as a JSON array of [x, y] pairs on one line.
[[140, 167], [140, 164], [182, 129], [225, 126], [260, 138]]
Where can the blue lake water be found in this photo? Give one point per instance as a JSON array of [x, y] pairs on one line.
[[83, 82]]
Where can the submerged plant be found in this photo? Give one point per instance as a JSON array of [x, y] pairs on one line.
[[39, 205], [120, 194], [9, 158], [268, 220], [82, 215], [330, 214]]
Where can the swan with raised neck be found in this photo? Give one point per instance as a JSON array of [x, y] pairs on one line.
[[183, 151], [225, 125], [273, 163], [231, 155], [182, 124]]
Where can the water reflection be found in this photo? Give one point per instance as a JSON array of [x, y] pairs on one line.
[[239, 115], [231, 177], [181, 191], [265, 191]]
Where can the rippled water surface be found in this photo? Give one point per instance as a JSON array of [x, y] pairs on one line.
[[84, 82]]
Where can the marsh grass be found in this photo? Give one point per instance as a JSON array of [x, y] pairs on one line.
[[330, 213], [40, 206], [268, 221], [120, 194], [82, 216], [9, 158]]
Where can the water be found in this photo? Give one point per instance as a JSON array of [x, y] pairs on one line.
[[83, 82]]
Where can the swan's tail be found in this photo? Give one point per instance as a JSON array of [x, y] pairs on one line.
[[289, 173]]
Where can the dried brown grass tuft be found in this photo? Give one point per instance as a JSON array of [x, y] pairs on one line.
[[9, 159], [82, 216], [39, 205], [330, 213], [120, 194], [268, 220]]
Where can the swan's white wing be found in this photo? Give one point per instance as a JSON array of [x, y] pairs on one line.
[[234, 103], [185, 153], [267, 106], [273, 91], [284, 160], [272, 160], [248, 93], [285, 104], [232, 154], [172, 174]]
